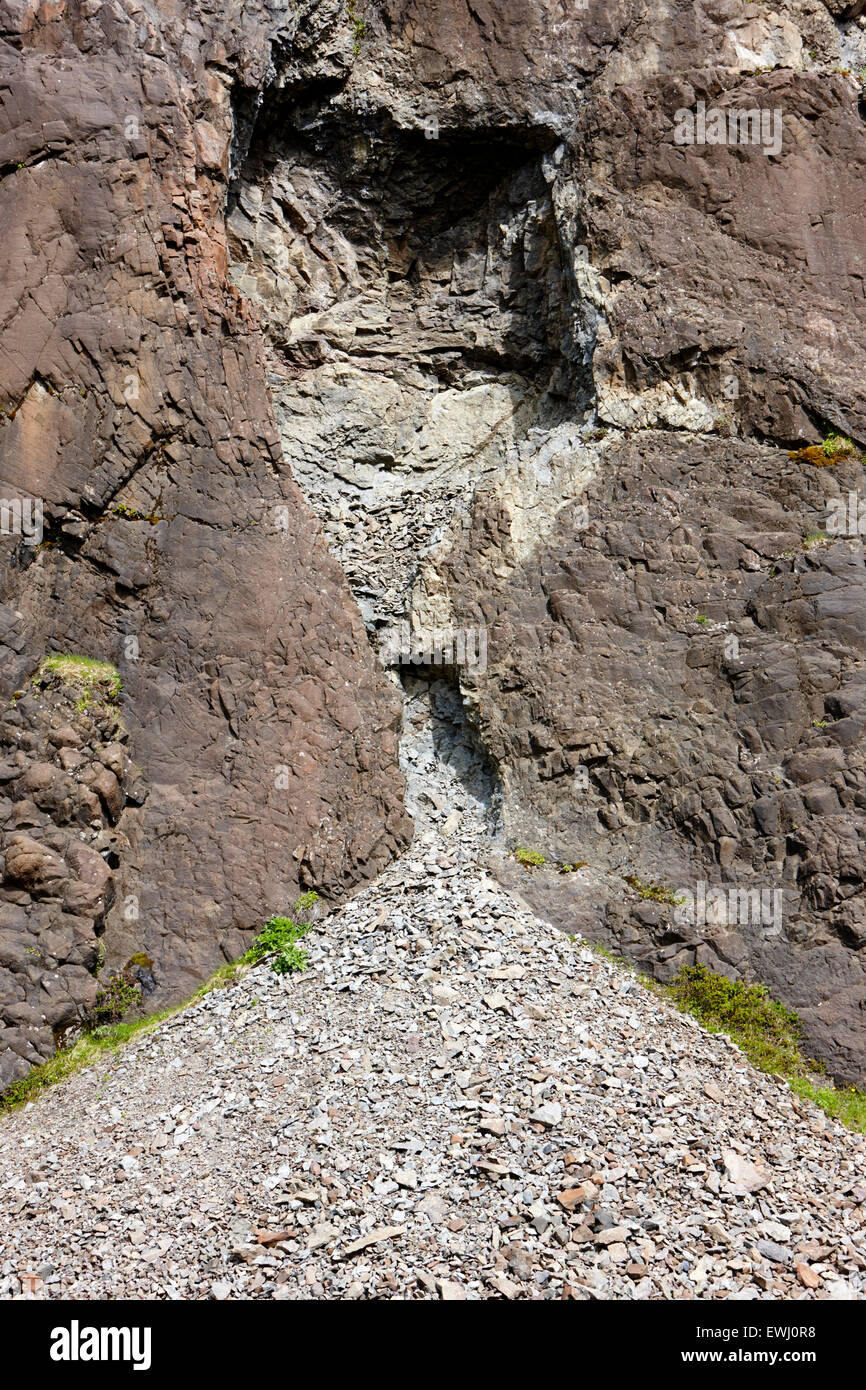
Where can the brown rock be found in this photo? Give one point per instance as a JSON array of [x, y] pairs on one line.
[[33, 866], [574, 1197]]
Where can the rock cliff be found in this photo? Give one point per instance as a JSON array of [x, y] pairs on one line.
[[541, 322]]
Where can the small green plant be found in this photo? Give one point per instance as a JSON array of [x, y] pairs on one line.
[[837, 446], [279, 939], [814, 538], [113, 1000], [573, 868], [834, 448], [702, 619], [359, 27], [93, 680], [130, 514], [820, 723], [653, 892], [529, 858]]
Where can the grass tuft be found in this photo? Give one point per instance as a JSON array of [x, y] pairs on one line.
[[277, 939], [93, 680], [767, 1032], [653, 892]]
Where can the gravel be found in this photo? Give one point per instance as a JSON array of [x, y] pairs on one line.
[[454, 1101]]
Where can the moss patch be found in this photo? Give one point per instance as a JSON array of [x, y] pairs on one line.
[[91, 680], [768, 1033], [652, 892], [834, 449], [529, 858]]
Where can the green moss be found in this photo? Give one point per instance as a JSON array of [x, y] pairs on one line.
[[101, 1040], [834, 448], [529, 858], [769, 1034], [93, 680], [654, 892]]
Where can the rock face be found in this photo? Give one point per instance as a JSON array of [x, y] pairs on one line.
[[678, 691], [175, 544], [548, 317], [65, 782]]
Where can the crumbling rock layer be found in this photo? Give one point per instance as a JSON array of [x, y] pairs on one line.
[[675, 668], [537, 363]]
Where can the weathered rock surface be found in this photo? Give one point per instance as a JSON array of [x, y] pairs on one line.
[[539, 364], [175, 545], [675, 686], [65, 781], [675, 665]]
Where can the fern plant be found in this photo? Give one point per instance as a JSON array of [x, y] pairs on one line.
[[279, 938]]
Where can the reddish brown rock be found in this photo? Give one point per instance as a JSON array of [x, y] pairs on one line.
[[176, 547]]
